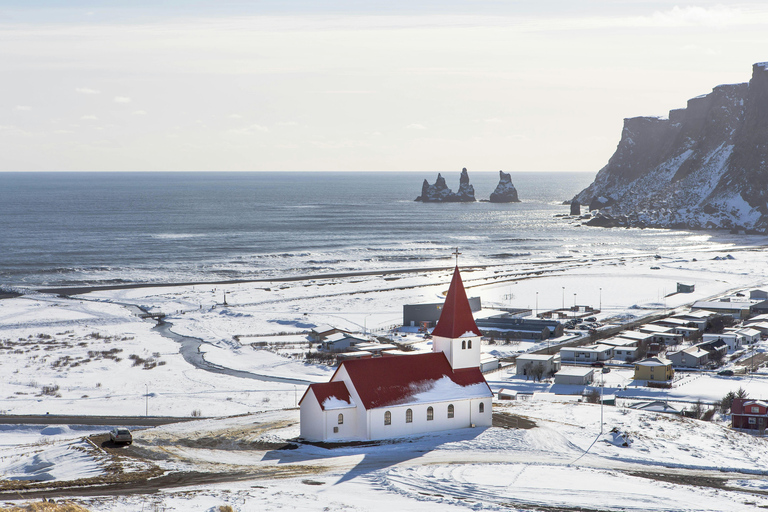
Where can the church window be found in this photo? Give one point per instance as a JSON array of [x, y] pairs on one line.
[[450, 411], [341, 419], [482, 407], [469, 343], [387, 418], [463, 344], [408, 416], [430, 414]]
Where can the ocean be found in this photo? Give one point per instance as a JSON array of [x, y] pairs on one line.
[[67, 229]]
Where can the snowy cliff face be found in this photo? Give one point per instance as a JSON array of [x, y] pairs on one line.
[[505, 191], [706, 166], [440, 193]]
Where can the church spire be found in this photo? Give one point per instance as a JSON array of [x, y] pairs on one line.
[[456, 317]]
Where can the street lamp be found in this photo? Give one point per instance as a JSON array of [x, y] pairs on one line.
[[601, 299], [146, 400], [537, 305], [562, 306]]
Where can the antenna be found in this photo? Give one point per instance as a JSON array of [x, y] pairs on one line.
[[457, 254]]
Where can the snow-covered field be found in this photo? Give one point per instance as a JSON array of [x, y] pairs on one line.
[[92, 355]]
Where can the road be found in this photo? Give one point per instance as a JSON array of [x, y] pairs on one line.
[[127, 421]]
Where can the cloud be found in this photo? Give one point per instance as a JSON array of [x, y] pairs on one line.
[[139, 112], [122, 99], [86, 90], [288, 123], [696, 16], [415, 126], [89, 118], [254, 128], [235, 116], [23, 107]]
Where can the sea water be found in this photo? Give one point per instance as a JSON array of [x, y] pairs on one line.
[[60, 229]]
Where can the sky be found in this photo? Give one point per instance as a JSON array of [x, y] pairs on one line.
[[235, 85]]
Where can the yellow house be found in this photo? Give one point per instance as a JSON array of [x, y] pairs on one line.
[[654, 368]]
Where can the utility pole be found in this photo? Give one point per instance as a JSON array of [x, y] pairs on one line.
[[146, 400]]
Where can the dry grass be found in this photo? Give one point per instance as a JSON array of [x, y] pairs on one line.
[[226, 508], [46, 506]]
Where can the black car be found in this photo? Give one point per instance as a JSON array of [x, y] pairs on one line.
[[726, 373]]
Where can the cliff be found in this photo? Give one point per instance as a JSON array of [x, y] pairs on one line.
[[705, 166], [440, 193]]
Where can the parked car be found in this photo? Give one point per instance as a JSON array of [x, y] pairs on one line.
[[726, 373], [606, 369], [598, 364], [120, 435]]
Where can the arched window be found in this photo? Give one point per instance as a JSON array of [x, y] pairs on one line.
[[482, 407], [469, 343], [387, 418], [450, 411], [463, 344], [430, 414], [408, 416], [341, 419]]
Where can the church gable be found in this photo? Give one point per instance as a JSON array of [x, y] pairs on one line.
[[330, 395]]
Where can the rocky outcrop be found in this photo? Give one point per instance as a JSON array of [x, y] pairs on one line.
[[505, 191], [440, 193], [705, 166], [575, 208]]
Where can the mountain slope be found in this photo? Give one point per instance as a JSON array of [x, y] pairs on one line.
[[703, 167]]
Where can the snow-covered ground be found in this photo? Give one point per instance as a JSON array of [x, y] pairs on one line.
[[92, 355]]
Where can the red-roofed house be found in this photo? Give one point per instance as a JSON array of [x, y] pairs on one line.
[[749, 414], [387, 397]]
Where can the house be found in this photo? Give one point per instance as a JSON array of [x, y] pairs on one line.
[[587, 353], [654, 369], [507, 394], [639, 337], [759, 326], [510, 327], [736, 309], [661, 334], [340, 341], [526, 362], [749, 414], [696, 318], [488, 363], [376, 349], [678, 325], [655, 406], [732, 339], [386, 397], [575, 376], [321, 332], [717, 349], [623, 348], [685, 288], [758, 295], [691, 357], [749, 335]]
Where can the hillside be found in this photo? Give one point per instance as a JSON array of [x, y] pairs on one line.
[[703, 167]]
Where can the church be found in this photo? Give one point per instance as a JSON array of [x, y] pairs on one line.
[[393, 396]]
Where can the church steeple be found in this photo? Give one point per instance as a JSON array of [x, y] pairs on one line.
[[456, 317], [456, 334]]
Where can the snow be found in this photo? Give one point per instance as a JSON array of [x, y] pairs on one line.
[[445, 389], [333, 402], [49, 341]]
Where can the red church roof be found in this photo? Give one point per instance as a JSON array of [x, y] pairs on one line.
[[384, 381], [326, 390], [456, 318]]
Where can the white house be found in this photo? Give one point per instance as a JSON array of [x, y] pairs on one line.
[[587, 354], [526, 362], [690, 357], [734, 340], [750, 335], [575, 376], [394, 396]]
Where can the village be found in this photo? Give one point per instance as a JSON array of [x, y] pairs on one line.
[[387, 377]]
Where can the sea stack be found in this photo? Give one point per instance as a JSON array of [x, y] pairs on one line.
[[575, 208], [440, 193], [505, 191]]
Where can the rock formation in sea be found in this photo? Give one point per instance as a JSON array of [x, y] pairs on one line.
[[440, 193], [505, 191], [575, 208], [705, 166]]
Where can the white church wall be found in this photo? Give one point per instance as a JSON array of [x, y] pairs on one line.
[[311, 418], [466, 413], [457, 356]]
